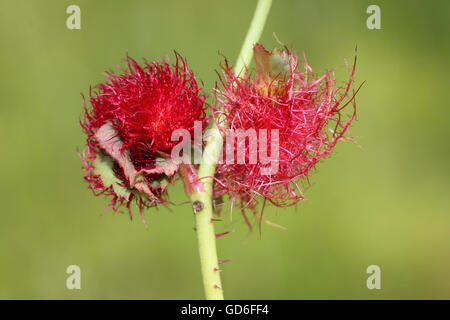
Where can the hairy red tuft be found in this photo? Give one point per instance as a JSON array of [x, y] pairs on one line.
[[308, 112]]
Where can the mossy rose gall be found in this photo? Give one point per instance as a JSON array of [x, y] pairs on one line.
[[129, 130], [308, 113], [138, 117]]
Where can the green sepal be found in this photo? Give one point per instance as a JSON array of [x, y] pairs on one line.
[[103, 166]]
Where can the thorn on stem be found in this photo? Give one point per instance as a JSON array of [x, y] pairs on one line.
[[217, 287], [222, 234]]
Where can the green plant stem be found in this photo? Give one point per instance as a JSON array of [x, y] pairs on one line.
[[202, 201], [253, 35]]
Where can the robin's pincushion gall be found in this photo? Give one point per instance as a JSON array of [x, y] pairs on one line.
[[129, 129]]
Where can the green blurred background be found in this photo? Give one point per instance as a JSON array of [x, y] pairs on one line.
[[383, 201]]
